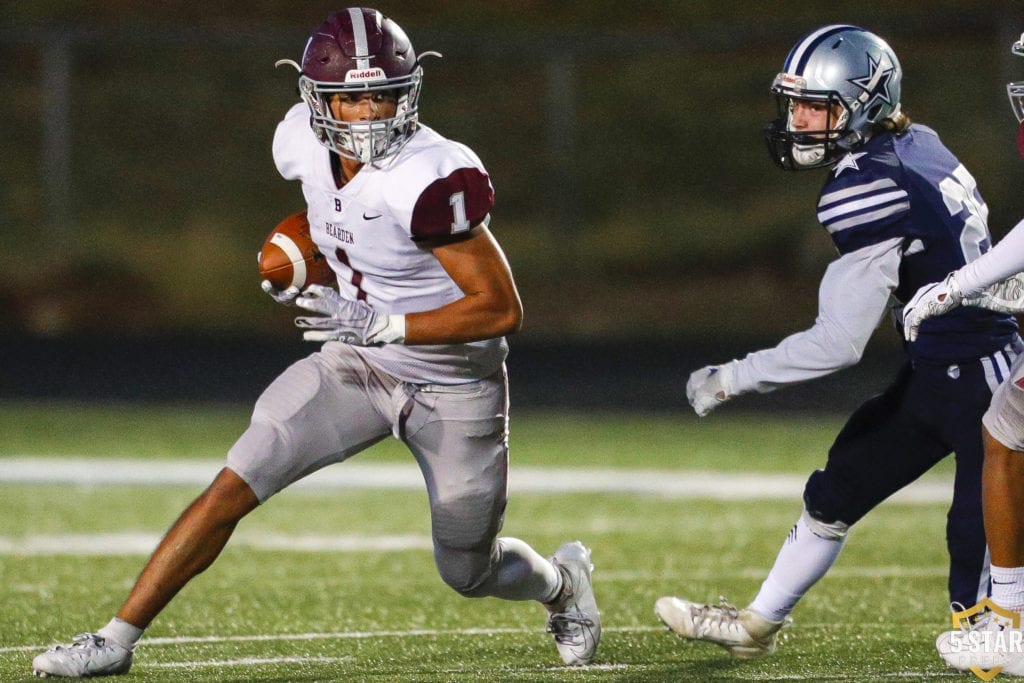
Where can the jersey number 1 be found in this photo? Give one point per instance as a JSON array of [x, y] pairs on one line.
[[458, 204]]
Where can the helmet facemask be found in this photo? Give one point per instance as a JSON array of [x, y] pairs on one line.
[[363, 141], [796, 150], [855, 73]]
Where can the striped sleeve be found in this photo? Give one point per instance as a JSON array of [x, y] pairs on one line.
[[862, 214]]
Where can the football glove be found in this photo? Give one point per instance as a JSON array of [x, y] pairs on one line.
[[929, 301], [352, 322], [709, 387], [281, 296], [1003, 297]]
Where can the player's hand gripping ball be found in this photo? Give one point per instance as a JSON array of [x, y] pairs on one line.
[[289, 258]]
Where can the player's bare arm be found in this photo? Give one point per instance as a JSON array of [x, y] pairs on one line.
[[491, 306]]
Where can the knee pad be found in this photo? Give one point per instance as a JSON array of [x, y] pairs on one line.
[[464, 571], [464, 528], [824, 502], [469, 521]]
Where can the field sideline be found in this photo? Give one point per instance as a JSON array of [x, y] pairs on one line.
[[334, 580]]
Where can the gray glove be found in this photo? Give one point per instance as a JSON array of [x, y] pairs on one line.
[[351, 322]]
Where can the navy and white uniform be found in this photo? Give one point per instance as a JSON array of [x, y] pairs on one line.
[[902, 212]]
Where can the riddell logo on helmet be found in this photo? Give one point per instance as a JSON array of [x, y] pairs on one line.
[[792, 82], [375, 74]]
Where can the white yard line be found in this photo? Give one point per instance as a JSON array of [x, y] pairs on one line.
[[143, 543], [664, 483], [247, 662], [371, 635], [340, 635]]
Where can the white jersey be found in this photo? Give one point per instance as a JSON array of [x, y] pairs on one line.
[[370, 231]]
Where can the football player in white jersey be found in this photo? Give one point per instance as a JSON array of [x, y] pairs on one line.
[[981, 283], [413, 346]]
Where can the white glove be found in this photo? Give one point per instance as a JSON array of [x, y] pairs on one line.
[[929, 301], [1004, 297], [283, 296], [352, 322], [709, 387]]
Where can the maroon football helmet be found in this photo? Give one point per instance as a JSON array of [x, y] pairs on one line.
[[360, 50]]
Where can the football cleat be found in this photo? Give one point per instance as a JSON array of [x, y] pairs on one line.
[[89, 655], [744, 633], [573, 618], [986, 644]]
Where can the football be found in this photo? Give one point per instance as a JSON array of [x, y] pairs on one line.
[[290, 258]]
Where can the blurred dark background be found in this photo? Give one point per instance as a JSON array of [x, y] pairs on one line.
[[648, 231]]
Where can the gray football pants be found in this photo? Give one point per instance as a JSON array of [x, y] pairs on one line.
[[333, 404]]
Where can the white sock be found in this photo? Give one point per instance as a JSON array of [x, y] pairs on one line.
[[121, 632], [1008, 587], [803, 559]]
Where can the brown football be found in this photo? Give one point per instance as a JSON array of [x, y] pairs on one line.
[[289, 256]]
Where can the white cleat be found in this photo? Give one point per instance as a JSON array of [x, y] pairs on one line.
[[745, 634], [987, 644], [89, 655], [573, 618]]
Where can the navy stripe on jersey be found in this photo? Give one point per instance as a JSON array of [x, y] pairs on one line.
[[796, 60], [860, 204]]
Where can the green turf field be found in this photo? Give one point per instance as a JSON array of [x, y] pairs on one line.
[[339, 585]]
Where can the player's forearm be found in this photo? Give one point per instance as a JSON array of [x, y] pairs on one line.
[[472, 318], [851, 300], [799, 358]]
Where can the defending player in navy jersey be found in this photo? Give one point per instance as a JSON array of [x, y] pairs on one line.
[[413, 346], [902, 211]]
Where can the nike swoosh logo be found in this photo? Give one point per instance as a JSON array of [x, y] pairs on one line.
[[370, 218]]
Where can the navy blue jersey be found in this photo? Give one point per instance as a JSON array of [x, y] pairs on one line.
[[911, 187]]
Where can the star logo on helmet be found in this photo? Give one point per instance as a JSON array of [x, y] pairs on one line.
[[876, 84]]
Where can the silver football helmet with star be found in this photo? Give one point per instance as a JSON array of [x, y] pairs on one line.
[[850, 69]]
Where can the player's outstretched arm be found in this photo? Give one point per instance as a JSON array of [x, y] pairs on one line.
[[1005, 297]]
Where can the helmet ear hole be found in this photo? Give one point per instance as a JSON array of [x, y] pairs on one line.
[[873, 112]]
